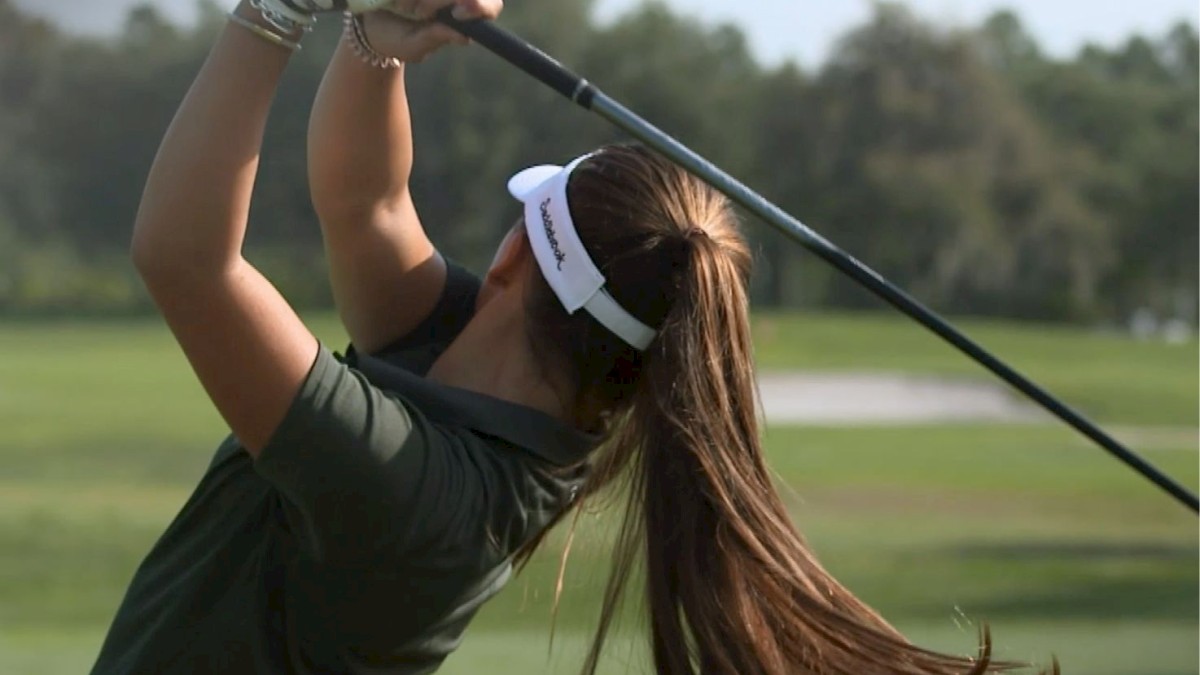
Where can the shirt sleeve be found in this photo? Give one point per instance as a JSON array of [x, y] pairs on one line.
[[367, 479], [453, 311]]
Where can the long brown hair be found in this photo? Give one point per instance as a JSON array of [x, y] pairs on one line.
[[731, 586]]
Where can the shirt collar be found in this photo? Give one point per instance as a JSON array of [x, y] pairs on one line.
[[532, 430]]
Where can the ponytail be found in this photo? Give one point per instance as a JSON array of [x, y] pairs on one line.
[[731, 586]]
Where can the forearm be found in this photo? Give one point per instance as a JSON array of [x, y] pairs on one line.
[[385, 273], [197, 197], [360, 149]]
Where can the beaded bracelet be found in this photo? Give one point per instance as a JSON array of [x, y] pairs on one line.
[[356, 34], [265, 34]]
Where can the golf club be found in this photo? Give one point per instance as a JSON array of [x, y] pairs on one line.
[[536, 63]]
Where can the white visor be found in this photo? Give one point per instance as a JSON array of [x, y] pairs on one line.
[[560, 254]]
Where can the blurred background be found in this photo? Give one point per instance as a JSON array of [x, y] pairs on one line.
[[1030, 171]]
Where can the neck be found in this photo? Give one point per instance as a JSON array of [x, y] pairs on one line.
[[492, 356]]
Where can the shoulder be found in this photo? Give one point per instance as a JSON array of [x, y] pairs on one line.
[[369, 451]]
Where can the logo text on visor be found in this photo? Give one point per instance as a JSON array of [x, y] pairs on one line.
[[551, 232], [548, 225]]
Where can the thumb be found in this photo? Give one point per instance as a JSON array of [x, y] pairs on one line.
[[428, 38]]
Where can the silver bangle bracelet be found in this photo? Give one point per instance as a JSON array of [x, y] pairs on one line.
[[263, 33], [356, 34], [283, 18]]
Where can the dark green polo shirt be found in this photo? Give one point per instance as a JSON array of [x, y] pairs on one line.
[[381, 515]]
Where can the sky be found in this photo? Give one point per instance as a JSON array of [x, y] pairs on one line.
[[802, 30]]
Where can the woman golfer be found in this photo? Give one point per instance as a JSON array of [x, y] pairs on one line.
[[364, 508]]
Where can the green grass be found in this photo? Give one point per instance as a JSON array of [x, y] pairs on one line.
[[1062, 550]]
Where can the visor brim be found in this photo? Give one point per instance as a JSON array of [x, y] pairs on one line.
[[528, 181]]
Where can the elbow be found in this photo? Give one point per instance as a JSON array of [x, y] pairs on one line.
[[162, 260], [141, 254], [153, 261]]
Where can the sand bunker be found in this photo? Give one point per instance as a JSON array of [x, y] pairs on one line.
[[875, 398]]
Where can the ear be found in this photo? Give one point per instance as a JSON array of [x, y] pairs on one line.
[[512, 259]]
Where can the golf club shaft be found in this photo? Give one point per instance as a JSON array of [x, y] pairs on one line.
[[544, 68]]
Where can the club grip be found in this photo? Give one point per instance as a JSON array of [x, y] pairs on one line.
[[523, 55]]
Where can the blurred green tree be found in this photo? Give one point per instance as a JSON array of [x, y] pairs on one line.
[[1133, 111], [968, 166], [940, 178]]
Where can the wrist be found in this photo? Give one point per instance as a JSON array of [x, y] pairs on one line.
[[355, 34], [277, 18]]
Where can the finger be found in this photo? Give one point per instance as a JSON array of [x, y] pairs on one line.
[[452, 36], [401, 7], [429, 38], [463, 9], [386, 32], [410, 10], [478, 9], [394, 19], [426, 9]]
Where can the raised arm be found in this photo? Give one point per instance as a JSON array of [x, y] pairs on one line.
[[248, 348], [385, 273]]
